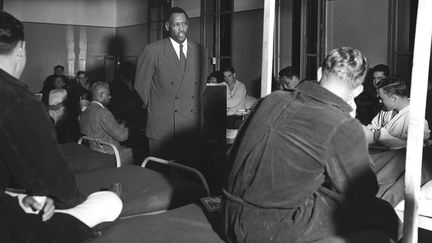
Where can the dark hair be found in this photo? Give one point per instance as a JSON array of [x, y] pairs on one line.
[[81, 72], [174, 10], [347, 64], [218, 75], [228, 69], [381, 68], [289, 72], [393, 85], [11, 32], [59, 76], [58, 66]]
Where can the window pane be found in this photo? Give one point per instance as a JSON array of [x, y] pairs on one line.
[[311, 67], [404, 66], [312, 26], [225, 62], [226, 5], [225, 36]]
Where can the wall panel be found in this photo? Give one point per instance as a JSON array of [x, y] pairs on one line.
[[52, 44], [247, 48], [359, 24]]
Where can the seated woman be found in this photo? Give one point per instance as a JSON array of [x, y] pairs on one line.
[[389, 129], [58, 83], [56, 106]]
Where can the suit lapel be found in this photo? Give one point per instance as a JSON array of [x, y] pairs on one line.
[[190, 53], [172, 61]]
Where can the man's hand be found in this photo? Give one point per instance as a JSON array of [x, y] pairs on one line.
[[369, 134], [48, 207]]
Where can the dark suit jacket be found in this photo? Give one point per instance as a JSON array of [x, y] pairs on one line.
[[29, 153], [172, 95]]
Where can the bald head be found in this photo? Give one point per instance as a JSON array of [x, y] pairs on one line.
[[100, 92]]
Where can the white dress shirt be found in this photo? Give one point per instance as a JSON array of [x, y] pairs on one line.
[[176, 46]]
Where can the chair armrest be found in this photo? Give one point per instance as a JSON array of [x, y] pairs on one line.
[[98, 141], [179, 166]]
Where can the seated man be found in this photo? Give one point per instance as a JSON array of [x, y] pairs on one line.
[[81, 91], [289, 78], [46, 205], [79, 96], [379, 72], [236, 92], [98, 122], [389, 129], [300, 165]]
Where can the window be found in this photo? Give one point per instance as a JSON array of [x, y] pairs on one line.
[[308, 36]]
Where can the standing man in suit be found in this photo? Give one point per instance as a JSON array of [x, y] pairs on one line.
[[170, 79]]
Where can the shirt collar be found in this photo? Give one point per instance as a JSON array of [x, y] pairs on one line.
[[176, 46], [313, 89], [406, 109], [11, 79], [100, 104]]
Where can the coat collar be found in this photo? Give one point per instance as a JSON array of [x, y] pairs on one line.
[[11, 80], [316, 91], [97, 103]]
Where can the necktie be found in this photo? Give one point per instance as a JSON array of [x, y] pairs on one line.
[[182, 57]]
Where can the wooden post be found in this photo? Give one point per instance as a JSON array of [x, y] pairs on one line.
[[267, 49], [413, 164]]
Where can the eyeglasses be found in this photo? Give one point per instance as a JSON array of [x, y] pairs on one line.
[[180, 24]]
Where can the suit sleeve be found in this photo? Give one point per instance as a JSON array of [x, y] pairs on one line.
[[204, 66], [144, 74], [349, 166], [111, 126], [203, 84]]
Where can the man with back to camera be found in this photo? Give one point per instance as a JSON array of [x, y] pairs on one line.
[[300, 165], [45, 204], [170, 79]]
